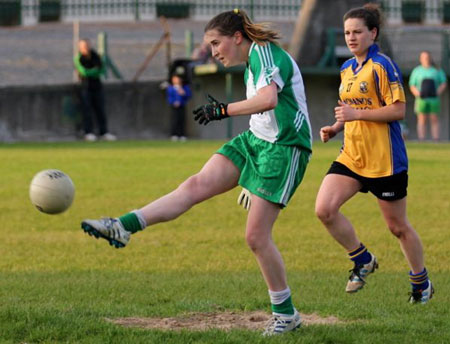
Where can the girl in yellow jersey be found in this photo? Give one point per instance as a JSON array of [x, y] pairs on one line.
[[373, 157]]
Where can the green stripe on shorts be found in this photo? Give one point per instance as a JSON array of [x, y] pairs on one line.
[[268, 170]]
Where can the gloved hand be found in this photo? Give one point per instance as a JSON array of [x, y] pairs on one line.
[[245, 199], [214, 111]]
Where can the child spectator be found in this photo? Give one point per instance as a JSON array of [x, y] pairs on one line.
[[178, 95]]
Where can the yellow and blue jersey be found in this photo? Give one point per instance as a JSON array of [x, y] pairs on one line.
[[372, 149]]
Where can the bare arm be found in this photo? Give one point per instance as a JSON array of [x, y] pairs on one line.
[[414, 91], [441, 88], [393, 112], [266, 99], [328, 132]]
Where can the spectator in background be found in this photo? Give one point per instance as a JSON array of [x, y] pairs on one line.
[[202, 54], [184, 67], [427, 83], [178, 95], [90, 68]]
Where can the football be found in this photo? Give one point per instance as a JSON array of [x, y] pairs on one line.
[[52, 191]]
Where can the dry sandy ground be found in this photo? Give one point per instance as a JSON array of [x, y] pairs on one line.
[[218, 320]]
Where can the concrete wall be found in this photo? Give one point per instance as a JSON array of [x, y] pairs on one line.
[[321, 94], [34, 113], [325, 14], [139, 110]]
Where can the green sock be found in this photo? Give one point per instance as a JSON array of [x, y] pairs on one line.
[[130, 222], [286, 307]]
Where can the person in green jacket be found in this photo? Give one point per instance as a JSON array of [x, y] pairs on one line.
[[427, 83], [90, 69]]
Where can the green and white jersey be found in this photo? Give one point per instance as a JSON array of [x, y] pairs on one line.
[[287, 124]]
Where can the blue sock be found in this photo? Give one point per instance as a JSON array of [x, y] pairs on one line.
[[361, 255], [419, 281]]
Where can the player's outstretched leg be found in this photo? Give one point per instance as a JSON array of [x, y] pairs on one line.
[[217, 176], [109, 229]]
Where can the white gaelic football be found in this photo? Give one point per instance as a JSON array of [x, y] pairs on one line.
[[52, 191]]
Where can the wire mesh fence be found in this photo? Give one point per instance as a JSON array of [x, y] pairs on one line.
[[31, 11]]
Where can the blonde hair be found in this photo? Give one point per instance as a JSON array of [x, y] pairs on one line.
[[228, 23]]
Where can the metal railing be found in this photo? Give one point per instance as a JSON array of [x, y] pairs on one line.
[[403, 44], [31, 10], [417, 11]]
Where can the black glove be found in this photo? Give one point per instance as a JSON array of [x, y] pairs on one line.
[[214, 111]]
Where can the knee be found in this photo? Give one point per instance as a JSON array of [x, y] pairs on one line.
[[191, 188], [255, 241], [190, 184], [326, 213], [397, 228]]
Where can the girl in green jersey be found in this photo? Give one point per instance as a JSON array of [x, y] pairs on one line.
[[268, 160]]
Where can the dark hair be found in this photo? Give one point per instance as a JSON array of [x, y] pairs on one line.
[[228, 23], [370, 13]]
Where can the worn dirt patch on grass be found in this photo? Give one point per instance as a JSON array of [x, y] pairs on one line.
[[218, 320]]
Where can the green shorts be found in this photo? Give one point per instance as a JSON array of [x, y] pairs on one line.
[[427, 106], [268, 170]]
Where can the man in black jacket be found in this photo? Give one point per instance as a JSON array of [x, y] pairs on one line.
[[90, 68]]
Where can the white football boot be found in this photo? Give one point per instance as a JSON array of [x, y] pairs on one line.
[[359, 273], [109, 229], [281, 323], [422, 296]]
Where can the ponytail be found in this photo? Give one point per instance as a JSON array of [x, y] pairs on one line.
[[228, 23]]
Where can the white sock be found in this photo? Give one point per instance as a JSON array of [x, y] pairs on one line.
[[140, 217], [278, 297]]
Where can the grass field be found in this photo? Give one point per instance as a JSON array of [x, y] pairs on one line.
[[57, 285]]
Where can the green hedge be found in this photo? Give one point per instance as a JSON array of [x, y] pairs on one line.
[[10, 12], [172, 10], [49, 10], [412, 11]]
